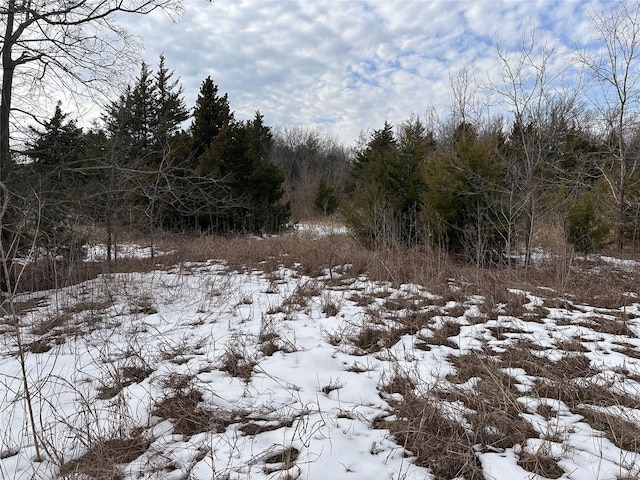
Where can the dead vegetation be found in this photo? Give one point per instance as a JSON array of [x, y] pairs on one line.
[[104, 459], [183, 404], [477, 407]]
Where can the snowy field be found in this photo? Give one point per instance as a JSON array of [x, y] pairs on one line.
[[200, 371]]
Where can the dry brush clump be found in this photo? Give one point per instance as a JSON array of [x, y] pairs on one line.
[[438, 442], [123, 376], [237, 360], [104, 458], [183, 404]]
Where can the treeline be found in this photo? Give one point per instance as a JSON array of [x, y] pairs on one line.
[[141, 170], [485, 191], [480, 186]]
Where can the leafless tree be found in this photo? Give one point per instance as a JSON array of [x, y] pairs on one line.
[[65, 46], [51, 46], [533, 90], [616, 69], [466, 106], [307, 155]]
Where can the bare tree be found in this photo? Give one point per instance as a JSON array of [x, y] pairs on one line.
[[307, 156], [615, 67], [533, 90], [466, 105], [69, 44]]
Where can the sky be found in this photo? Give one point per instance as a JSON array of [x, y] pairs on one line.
[[348, 66]]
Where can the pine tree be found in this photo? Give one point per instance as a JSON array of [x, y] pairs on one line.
[[169, 109], [254, 192], [61, 142], [264, 183], [385, 204], [54, 181], [211, 116]]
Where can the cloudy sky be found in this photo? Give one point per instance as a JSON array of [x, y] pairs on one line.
[[347, 66]]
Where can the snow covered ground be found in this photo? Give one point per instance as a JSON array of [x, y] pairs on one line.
[[203, 372]]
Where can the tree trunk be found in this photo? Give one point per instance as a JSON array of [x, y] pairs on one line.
[[8, 68]]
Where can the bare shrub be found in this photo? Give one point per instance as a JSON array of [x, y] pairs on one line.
[[49, 274]]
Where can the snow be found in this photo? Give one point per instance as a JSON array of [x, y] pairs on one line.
[[310, 396]]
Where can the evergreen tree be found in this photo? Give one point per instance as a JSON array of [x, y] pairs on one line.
[[169, 109], [53, 180], [147, 116], [326, 201], [251, 193], [61, 141], [143, 125], [263, 185], [586, 228], [462, 196], [385, 204], [211, 116]]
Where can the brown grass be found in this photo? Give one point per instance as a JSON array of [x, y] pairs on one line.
[[185, 408], [441, 442], [281, 460], [102, 460], [122, 378], [489, 417], [237, 362], [438, 442], [541, 463], [622, 433], [442, 335]]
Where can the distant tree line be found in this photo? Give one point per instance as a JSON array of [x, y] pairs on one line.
[[486, 186], [140, 169], [481, 186]]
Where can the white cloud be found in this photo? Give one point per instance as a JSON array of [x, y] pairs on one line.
[[346, 65]]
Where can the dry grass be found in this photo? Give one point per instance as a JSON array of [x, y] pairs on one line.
[[624, 434], [256, 426], [184, 406], [541, 463], [441, 335], [281, 461], [122, 378], [302, 295], [444, 427], [103, 459], [237, 361], [438, 442], [476, 408]]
